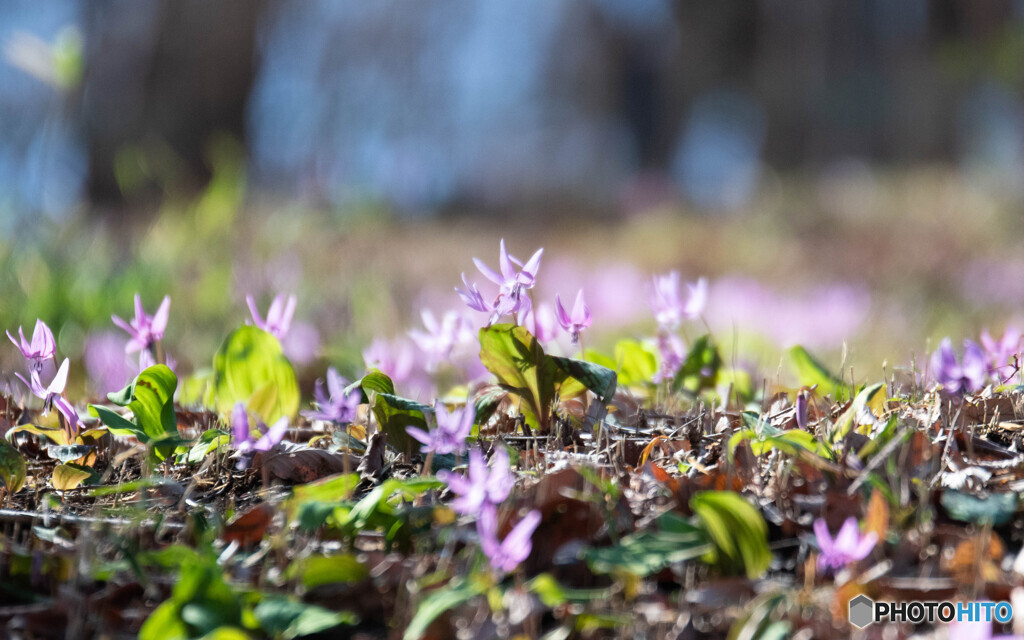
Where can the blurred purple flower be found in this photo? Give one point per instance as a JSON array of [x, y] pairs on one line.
[[472, 297], [108, 367], [540, 321], [669, 307], [279, 315], [71, 418], [50, 392], [576, 322], [241, 436], [145, 330], [849, 545], [672, 353], [509, 553], [395, 359], [41, 348], [452, 430], [440, 338], [967, 376], [302, 343], [334, 405], [482, 485], [1001, 352]]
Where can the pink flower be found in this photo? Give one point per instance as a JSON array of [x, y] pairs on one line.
[[452, 430], [966, 376], [507, 554], [849, 545], [145, 330], [242, 439], [40, 349], [279, 315], [482, 485], [576, 322], [668, 305], [1001, 352]]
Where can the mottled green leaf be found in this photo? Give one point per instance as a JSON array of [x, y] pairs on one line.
[[247, 362]]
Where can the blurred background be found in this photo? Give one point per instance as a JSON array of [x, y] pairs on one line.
[[848, 175]]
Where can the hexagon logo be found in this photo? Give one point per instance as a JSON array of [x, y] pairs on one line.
[[862, 611]]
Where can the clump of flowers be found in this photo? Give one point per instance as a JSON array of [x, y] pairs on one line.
[[146, 331], [452, 430], [334, 404], [847, 547], [241, 435], [279, 315], [670, 309], [480, 493], [511, 285], [966, 376], [42, 348], [441, 339]]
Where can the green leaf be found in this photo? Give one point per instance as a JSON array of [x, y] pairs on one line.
[[737, 530], [553, 594], [54, 434], [515, 357], [636, 362], [375, 381], [869, 401], [792, 442], [151, 400], [649, 551], [995, 508], [164, 624], [810, 372], [12, 467], [700, 369], [394, 414], [68, 452], [247, 362], [209, 441], [437, 602], [586, 375], [286, 618], [117, 424], [314, 571]]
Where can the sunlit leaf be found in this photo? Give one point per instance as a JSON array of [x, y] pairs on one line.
[[12, 467], [314, 571], [248, 361], [810, 372], [700, 369], [437, 602], [394, 414], [70, 476], [737, 530]]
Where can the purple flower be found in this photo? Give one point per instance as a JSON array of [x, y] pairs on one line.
[[241, 436], [482, 485], [540, 321], [510, 284], [452, 430], [392, 358], [849, 545], [672, 352], [577, 321], [335, 405], [145, 330], [509, 280], [967, 376], [279, 316], [669, 307], [1001, 352], [509, 553], [71, 419], [40, 349], [50, 392], [440, 338], [975, 629]]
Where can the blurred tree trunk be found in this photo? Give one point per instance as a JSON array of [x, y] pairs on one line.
[[162, 77]]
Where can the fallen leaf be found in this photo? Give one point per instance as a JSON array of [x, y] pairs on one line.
[[248, 528], [299, 463]]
